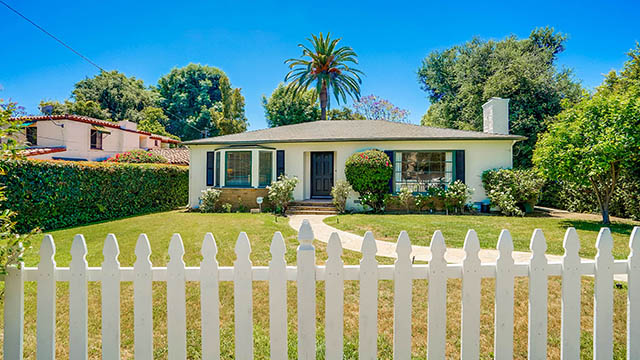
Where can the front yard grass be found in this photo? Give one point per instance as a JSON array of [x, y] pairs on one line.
[[225, 227], [454, 228]]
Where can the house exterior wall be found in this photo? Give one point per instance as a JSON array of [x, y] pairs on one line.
[[480, 155]]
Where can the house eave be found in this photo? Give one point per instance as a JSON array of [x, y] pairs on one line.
[[272, 141]]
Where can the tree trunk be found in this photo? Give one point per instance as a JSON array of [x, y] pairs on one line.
[[605, 213], [323, 102]]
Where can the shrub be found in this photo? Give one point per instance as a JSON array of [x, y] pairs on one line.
[[405, 198], [280, 192], [369, 172], [226, 207], [55, 194], [209, 199], [512, 190], [138, 157], [456, 196], [340, 193]]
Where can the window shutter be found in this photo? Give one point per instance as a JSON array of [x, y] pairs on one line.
[[459, 158], [390, 155], [210, 155], [279, 163]]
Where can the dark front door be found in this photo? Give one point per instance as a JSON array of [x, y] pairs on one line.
[[321, 174]]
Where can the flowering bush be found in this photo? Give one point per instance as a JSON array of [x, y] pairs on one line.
[[138, 157], [512, 190], [457, 195], [406, 199], [375, 108], [340, 193], [226, 207], [369, 172], [280, 192], [209, 199]]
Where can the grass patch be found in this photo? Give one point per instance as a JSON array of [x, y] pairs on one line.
[[454, 228], [225, 227]]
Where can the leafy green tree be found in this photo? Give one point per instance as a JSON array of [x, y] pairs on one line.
[[592, 143], [344, 113], [82, 107], [188, 95], [326, 67], [285, 107], [123, 97], [460, 79], [152, 119]]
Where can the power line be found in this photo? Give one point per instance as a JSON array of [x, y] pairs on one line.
[[51, 35]]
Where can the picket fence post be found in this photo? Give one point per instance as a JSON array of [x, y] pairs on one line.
[[14, 312], [306, 281], [278, 299], [368, 337], [78, 300], [571, 286], [176, 302], [633, 296], [603, 298], [142, 301], [334, 299], [402, 293], [538, 297], [243, 298], [209, 299], [46, 317], [437, 299], [471, 286], [503, 337], [111, 299]]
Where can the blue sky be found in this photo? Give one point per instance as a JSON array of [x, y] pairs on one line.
[[250, 41]]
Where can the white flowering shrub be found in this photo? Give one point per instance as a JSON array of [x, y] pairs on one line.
[[280, 192], [208, 200], [511, 190], [340, 193], [405, 198], [457, 195]]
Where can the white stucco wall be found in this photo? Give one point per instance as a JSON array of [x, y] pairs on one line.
[[480, 155]]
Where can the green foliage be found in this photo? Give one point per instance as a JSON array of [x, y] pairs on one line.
[[226, 207], [280, 192], [327, 68], [152, 119], [192, 97], [511, 189], [460, 79], [369, 172], [208, 200], [344, 113], [88, 108], [340, 193], [406, 199], [55, 194], [285, 108], [373, 107], [456, 196], [138, 157]]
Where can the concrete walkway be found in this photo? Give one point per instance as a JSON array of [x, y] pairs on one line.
[[353, 242]]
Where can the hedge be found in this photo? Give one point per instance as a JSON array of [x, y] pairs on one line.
[[57, 194]]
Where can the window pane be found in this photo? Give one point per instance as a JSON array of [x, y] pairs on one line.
[[238, 169], [417, 170], [265, 168], [32, 135]]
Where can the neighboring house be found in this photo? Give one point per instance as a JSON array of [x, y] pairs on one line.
[[175, 156], [73, 137], [315, 152]]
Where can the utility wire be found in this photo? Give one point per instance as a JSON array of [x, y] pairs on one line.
[[51, 35]]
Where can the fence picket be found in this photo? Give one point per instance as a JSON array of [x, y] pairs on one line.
[[368, 299], [471, 286], [243, 298], [278, 298], [402, 293], [633, 296], [538, 297], [571, 286], [209, 299], [176, 305], [111, 299], [437, 299], [603, 298], [78, 302], [503, 337], [46, 317], [142, 301], [14, 313], [306, 280], [334, 299]]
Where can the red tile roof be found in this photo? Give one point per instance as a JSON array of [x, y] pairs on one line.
[[42, 150], [174, 156], [93, 121]]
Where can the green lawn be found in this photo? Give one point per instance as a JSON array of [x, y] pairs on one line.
[[225, 227], [454, 229]]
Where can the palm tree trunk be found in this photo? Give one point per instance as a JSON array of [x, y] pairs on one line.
[[323, 101]]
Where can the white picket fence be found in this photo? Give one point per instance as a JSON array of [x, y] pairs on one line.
[[306, 274]]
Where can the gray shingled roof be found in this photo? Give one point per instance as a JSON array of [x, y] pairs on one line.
[[348, 130]]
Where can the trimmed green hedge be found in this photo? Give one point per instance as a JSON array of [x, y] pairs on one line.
[[56, 194]]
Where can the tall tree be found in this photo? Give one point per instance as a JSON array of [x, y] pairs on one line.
[[88, 108], [286, 107], [344, 113], [373, 107], [190, 94], [326, 67], [460, 79], [123, 97]]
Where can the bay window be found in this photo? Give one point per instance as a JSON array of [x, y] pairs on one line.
[[419, 170], [265, 168], [238, 168]]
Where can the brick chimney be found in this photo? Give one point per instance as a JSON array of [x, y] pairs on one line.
[[495, 113]]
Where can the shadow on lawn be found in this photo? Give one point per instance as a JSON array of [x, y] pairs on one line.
[[587, 225]]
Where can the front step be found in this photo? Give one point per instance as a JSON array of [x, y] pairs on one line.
[[311, 212], [312, 207]]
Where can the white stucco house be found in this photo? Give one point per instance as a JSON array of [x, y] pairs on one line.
[[315, 152], [81, 138]]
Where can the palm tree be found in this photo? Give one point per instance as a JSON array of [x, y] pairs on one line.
[[325, 66]]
